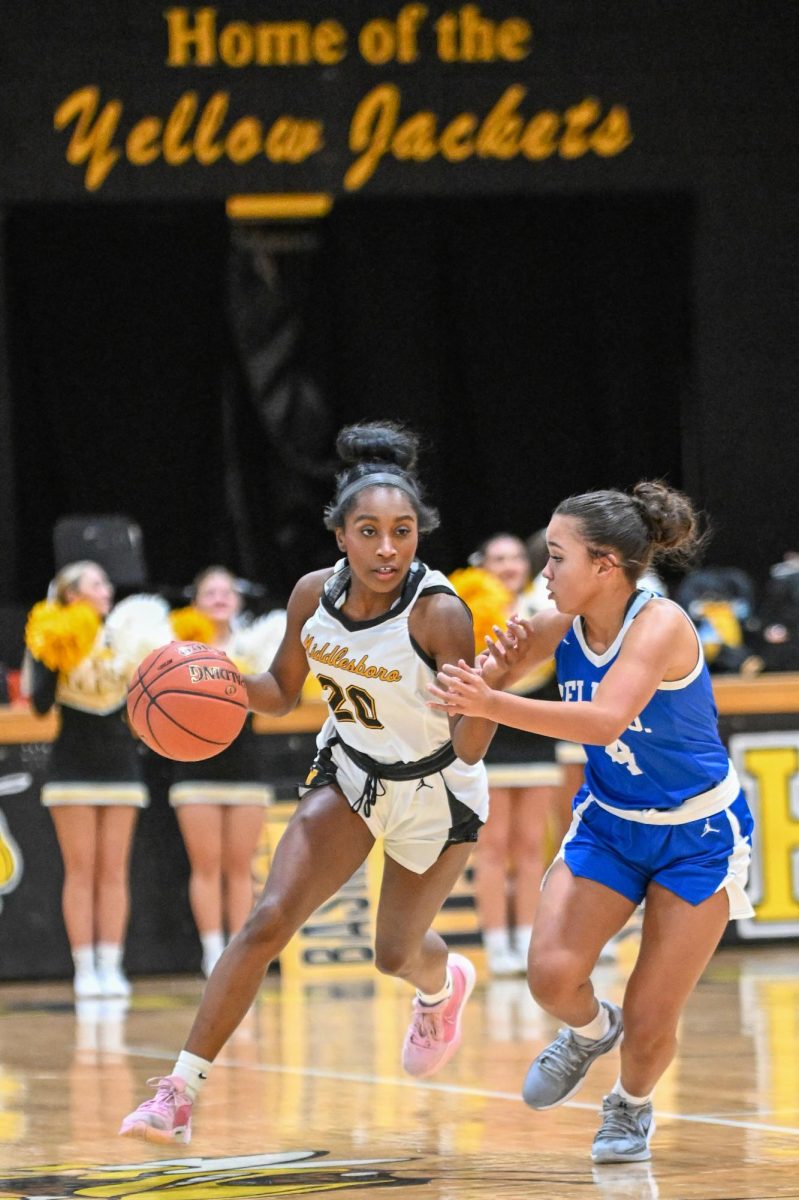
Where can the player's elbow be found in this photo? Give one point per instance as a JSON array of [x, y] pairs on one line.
[[607, 728], [470, 756]]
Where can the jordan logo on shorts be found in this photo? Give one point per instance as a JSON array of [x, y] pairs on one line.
[[709, 828]]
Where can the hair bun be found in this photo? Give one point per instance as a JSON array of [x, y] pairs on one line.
[[669, 515], [378, 442]]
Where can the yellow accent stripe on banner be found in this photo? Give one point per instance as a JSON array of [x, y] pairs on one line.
[[277, 206]]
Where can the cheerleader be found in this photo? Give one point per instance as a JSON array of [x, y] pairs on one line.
[[81, 654], [526, 796], [219, 803]]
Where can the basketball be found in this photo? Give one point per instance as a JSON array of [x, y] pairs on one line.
[[187, 701]]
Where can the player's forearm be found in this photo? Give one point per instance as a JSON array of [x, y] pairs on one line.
[[583, 721], [264, 695], [472, 737]]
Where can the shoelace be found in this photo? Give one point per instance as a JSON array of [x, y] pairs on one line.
[[564, 1053], [165, 1093], [619, 1120], [427, 1025]]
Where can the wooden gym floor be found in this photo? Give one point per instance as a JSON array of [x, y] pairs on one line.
[[309, 1097]]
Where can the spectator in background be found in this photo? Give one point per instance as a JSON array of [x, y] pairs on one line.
[[779, 647], [527, 816], [720, 602], [81, 654], [219, 802]]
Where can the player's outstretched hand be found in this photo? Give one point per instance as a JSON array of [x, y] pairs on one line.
[[460, 690], [504, 651]]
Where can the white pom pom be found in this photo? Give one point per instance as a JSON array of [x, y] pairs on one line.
[[257, 643], [136, 626]]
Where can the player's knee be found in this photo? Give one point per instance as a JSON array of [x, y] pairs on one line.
[[554, 978], [267, 929], [390, 957]]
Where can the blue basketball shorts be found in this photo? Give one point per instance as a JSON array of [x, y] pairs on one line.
[[693, 859]]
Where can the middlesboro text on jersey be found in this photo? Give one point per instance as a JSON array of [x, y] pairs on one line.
[[337, 657]]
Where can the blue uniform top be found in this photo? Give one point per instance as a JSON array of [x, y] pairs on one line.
[[670, 752]]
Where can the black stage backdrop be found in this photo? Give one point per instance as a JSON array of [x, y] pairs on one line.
[[571, 261], [193, 376]]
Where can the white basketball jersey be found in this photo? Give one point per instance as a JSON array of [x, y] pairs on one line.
[[373, 675]]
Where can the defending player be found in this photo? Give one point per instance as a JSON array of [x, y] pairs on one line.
[[661, 816]]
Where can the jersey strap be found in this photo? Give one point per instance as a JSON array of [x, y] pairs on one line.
[[375, 771]]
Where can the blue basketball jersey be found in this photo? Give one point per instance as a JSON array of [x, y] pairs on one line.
[[670, 752]]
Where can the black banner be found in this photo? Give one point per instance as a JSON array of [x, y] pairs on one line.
[[148, 101]]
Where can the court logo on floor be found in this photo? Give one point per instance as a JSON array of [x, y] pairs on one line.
[[247, 1177]]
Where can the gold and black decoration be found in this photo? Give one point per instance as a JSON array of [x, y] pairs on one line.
[[287, 1173]]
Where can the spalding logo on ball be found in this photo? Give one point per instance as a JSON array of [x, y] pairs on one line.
[[187, 701]]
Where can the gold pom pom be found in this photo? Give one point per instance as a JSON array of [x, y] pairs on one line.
[[311, 689], [61, 635], [191, 625], [488, 599]]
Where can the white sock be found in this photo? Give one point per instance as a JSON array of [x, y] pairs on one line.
[[213, 944], [109, 956], [594, 1029], [437, 997], [83, 958], [522, 936], [496, 941], [193, 1070], [628, 1097]]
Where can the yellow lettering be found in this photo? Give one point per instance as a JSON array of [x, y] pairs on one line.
[[284, 43], [329, 43], [373, 124], [290, 140], [456, 138], [236, 44], [192, 40], [90, 143], [409, 19], [244, 140], [416, 138], [477, 35], [773, 768], [501, 130], [575, 143], [468, 36], [539, 139], [446, 28], [175, 150], [207, 150], [142, 146], [513, 39], [613, 134], [376, 42], [185, 38]]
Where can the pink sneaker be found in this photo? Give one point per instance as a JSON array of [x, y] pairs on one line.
[[165, 1118], [434, 1034]]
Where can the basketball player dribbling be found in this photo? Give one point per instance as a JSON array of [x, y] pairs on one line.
[[374, 629], [661, 816]]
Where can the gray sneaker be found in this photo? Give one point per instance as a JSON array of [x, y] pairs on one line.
[[560, 1069], [624, 1133]]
